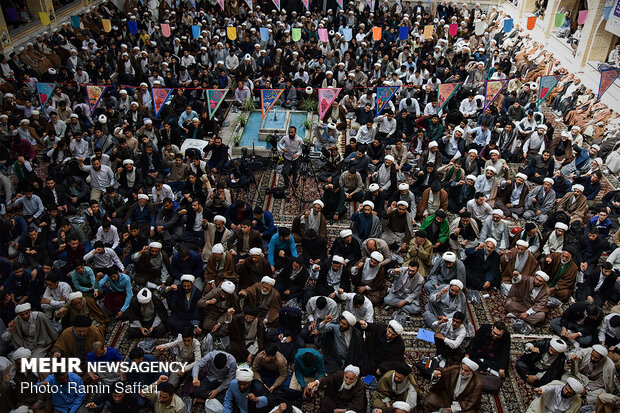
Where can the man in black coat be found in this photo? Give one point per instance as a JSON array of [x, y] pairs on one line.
[[348, 247], [543, 361], [333, 275], [384, 345], [143, 311], [482, 265], [292, 279], [490, 348], [336, 352], [579, 323], [184, 311], [590, 247], [599, 285]]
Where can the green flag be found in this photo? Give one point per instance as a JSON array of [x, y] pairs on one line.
[[559, 19], [296, 34]]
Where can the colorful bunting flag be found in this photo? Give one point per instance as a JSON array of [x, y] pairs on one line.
[[160, 95], [169, 3], [384, 94], [165, 29], [607, 79], [307, 4], [45, 90], [607, 12], [195, 31], [296, 34], [403, 33], [94, 94], [559, 19], [193, 2], [264, 34], [76, 22], [347, 33], [326, 98], [508, 25], [583, 16], [133, 27], [250, 4], [493, 89], [376, 33], [453, 29], [221, 3], [480, 27], [231, 32], [444, 93], [531, 22], [215, 97], [277, 3], [340, 4], [107, 25], [323, 37], [428, 31], [45, 18], [268, 98], [547, 83]]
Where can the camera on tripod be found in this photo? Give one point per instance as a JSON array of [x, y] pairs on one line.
[[273, 140], [305, 150]]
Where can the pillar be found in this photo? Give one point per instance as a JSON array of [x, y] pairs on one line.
[[5, 38]]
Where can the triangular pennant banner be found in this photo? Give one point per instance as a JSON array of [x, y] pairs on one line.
[[531, 22], [326, 98], [444, 93], [547, 83], [453, 29], [340, 3], [250, 5], [169, 3], [45, 18], [296, 34], [165, 29], [160, 95], [268, 98], [277, 3], [559, 19], [215, 97], [376, 33], [264, 34], [583, 16], [107, 25], [428, 31], [193, 2], [493, 89], [347, 33], [508, 25], [94, 94], [307, 4], [231, 32], [75, 22], [607, 79], [195, 31], [480, 27], [133, 27], [45, 90], [403, 33], [323, 35], [384, 94], [221, 3]]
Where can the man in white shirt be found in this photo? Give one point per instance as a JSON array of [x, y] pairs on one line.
[[469, 107], [358, 305], [449, 335], [366, 134], [387, 127]]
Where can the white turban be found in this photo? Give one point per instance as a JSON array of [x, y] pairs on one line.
[[457, 283], [20, 308], [494, 151], [491, 168], [217, 249], [256, 251], [244, 374], [470, 176], [469, 363], [389, 158], [403, 203], [319, 202], [600, 350], [346, 233], [373, 187], [433, 144], [474, 151], [155, 244], [542, 126], [550, 180], [349, 317], [522, 176], [449, 256], [144, 296], [403, 186], [143, 196], [352, 369], [188, 277], [398, 329], [498, 212], [228, 287], [75, 295], [522, 243], [404, 406], [369, 203], [561, 225], [21, 353], [130, 162], [542, 275], [493, 240], [578, 187], [338, 259], [559, 345], [219, 218], [268, 280], [377, 256], [575, 385]]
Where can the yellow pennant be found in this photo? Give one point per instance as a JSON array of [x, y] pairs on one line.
[[231, 32], [428, 31], [45, 18], [107, 26]]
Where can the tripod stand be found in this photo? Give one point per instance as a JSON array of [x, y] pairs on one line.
[[306, 171]]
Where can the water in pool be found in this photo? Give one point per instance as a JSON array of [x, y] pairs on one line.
[[250, 133]]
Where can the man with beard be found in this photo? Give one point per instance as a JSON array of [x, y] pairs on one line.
[[530, 234], [437, 230], [168, 224], [385, 176], [444, 303], [251, 269], [594, 370], [578, 323], [398, 385], [32, 330], [562, 272], [342, 343], [511, 199], [263, 296], [217, 304], [343, 391], [365, 223], [397, 226], [494, 227], [220, 266], [541, 167], [217, 369], [464, 232], [244, 239], [482, 265], [347, 247], [543, 361], [456, 387], [405, 290], [101, 177], [25, 396], [574, 204], [317, 308], [147, 315], [490, 348], [152, 265], [247, 335], [142, 213], [311, 219], [183, 304], [77, 341], [215, 233], [527, 299], [384, 345], [377, 244], [445, 269], [599, 285], [78, 304], [292, 280], [486, 183], [368, 277], [420, 251], [540, 202], [554, 240], [433, 199], [245, 393], [557, 397], [449, 335], [516, 261]]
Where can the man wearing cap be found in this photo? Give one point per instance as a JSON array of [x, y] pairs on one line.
[[332, 277], [152, 265], [456, 387], [368, 277], [147, 315], [486, 183], [540, 202], [219, 304], [365, 223], [342, 343], [543, 361], [78, 304], [182, 301], [347, 246], [517, 260], [511, 200], [252, 269], [594, 370], [313, 218], [215, 232], [527, 298], [397, 389], [490, 348], [220, 266], [494, 227], [130, 179], [558, 397], [344, 391], [482, 265], [599, 285], [445, 302], [263, 296], [32, 330], [245, 394], [447, 268], [555, 240], [562, 271], [574, 204], [385, 346]]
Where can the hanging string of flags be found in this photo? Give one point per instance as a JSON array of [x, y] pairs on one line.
[[607, 79], [94, 94], [492, 91], [444, 93], [268, 98], [160, 95], [45, 90], [327, 96], [547, 84]]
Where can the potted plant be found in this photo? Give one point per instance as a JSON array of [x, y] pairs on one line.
[[236, 139], [308, 104], [308, 123], [243, 120], [249, 104]]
